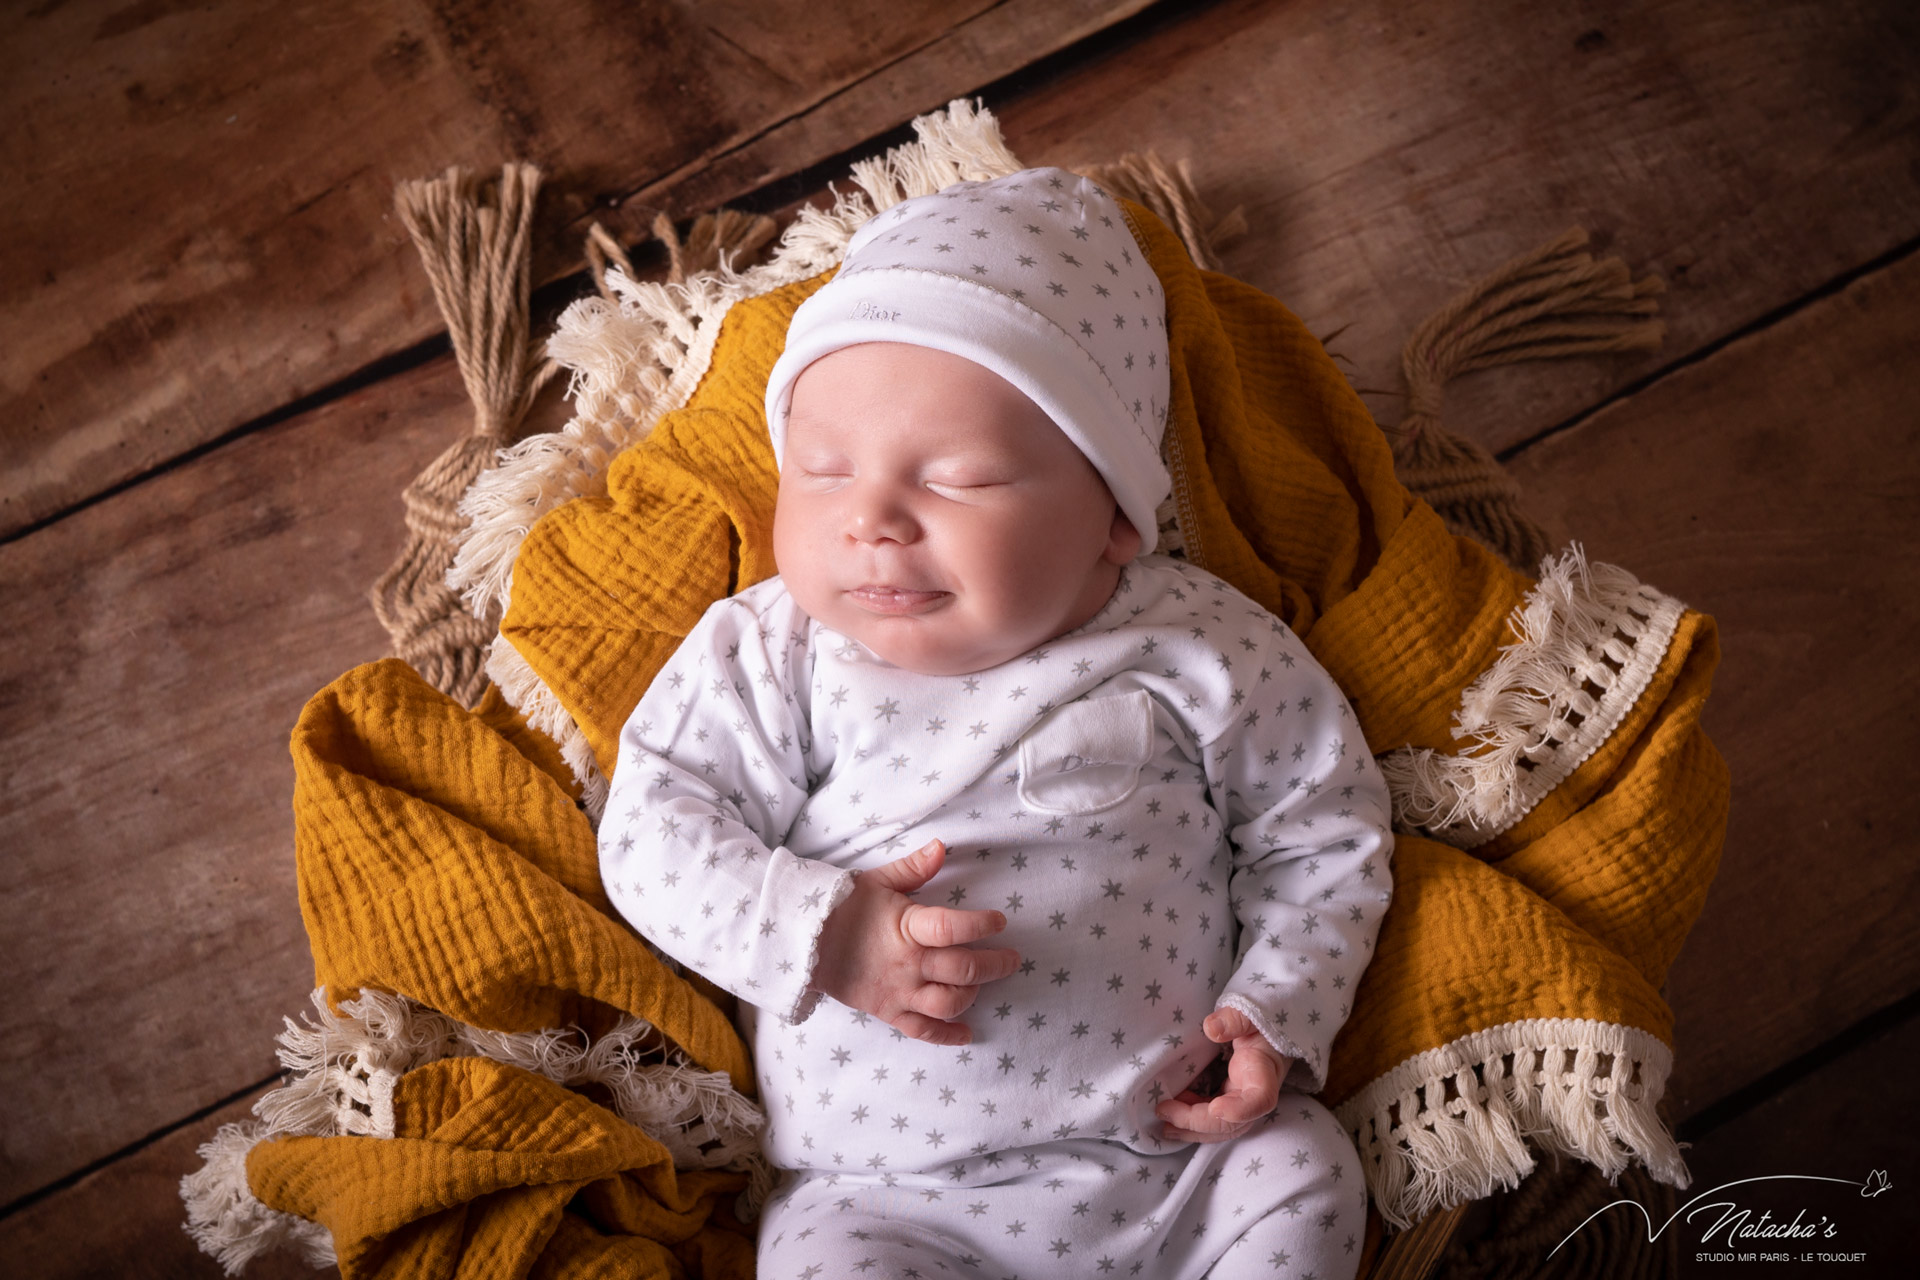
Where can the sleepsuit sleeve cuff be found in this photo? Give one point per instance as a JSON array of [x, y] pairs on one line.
[[802, 893], [1308, 1073]]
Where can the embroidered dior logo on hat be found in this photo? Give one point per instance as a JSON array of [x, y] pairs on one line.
[[871, 310]]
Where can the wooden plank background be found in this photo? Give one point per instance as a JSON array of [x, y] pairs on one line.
[[1714, 485], [180, 581], [150, 323]]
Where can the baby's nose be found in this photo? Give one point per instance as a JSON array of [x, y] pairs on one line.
[[877, 517]]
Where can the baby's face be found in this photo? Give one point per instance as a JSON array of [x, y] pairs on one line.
[[931, 511]]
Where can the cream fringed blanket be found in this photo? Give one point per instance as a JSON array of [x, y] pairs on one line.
[[1561, 810]]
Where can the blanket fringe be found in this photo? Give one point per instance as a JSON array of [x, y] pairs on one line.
[[1453, 1124], [528, 694], [342, 1070], [1590, 638], [229, 1223]]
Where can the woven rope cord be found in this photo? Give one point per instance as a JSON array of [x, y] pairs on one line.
[[1145, 178], [473, 238], [1555, 301]]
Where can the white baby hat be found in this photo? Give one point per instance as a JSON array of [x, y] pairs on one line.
[[1036, 277]]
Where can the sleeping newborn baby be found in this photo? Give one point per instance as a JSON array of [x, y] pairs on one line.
[[973, 708]]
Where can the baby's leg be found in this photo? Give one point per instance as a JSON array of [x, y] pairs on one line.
[[1292, 1189], [825, 1228]]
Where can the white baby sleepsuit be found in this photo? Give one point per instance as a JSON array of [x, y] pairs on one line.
[[1175, 809]]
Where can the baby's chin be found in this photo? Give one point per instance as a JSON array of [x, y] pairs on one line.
[[925, 647], [943, 641]]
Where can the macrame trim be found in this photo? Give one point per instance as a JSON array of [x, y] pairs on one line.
[[1591, 638], [342, 1072], [1452, 1124]]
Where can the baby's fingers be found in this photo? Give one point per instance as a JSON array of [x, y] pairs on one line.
[[965, 967], [1190, 1118], [947, 927], [1173, 1133], [1223, 1026], [931, 1030], [1184, 1109], [1241, 1106], [939, 1000]]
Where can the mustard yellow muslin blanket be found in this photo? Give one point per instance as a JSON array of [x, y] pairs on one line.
[[1561, 810]]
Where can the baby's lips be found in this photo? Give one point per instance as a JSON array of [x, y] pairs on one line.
[[888, 599]]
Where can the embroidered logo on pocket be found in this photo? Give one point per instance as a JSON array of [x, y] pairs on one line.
[[1087, 755]]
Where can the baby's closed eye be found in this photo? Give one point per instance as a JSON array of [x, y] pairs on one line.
[[964, 483]]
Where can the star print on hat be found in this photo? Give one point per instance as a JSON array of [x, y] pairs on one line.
[[1034, 276]]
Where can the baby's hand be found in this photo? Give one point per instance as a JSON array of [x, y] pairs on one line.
[[1254, 1073], [882, 952]]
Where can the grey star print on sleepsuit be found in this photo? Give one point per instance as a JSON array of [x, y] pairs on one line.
[[1175, 809]]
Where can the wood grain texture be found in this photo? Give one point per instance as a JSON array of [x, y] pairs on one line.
[[1388, 156], [125, 1220], [1006, 36], [197, 204], [1773, 485], [160, 647], [1844, 1119]]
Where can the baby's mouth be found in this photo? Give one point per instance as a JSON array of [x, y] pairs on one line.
[[882, 598]]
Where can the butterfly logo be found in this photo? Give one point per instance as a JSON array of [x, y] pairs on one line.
[[1876, 1183]]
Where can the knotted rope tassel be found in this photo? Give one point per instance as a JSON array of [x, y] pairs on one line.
[[473, 239], [1169, 192], [1555, 301]]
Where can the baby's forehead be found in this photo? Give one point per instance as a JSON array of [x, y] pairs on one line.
[[886, 437], [887, 394]]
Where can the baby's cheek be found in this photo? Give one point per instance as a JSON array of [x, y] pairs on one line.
[[786, 533], [803, 554]]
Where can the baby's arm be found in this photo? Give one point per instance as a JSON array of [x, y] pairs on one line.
[[710, 776], [1308, 817], [702, 873]]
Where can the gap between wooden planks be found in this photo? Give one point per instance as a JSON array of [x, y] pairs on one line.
[[125, 1220], [197, 210], [140, 905]]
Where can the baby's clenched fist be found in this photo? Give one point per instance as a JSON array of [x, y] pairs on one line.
[[1254, 1072], [907, 964]]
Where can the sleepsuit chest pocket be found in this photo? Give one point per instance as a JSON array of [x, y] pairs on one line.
[[1087, 755]]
